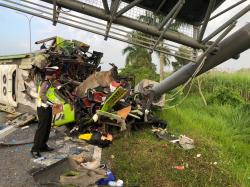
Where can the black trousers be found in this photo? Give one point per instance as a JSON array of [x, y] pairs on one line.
[[43, 130]]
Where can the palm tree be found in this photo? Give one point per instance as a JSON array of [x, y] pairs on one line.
[[138, 55], [154, 19]]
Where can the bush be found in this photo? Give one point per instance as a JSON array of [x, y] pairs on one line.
[[225, 96]]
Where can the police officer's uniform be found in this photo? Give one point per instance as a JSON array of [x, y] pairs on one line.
[[44, 112]]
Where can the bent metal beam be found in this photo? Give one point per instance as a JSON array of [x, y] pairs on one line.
[[230, 47], [127, 22]]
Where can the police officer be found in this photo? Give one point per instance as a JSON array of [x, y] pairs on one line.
[[44, 112]]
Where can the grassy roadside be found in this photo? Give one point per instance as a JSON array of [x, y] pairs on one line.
[[225, 128], [219, 137]]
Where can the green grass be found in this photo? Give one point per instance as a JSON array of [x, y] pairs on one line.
[[237, 81], [225, 128]]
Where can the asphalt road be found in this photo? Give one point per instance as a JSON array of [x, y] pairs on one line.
[[16, 161]]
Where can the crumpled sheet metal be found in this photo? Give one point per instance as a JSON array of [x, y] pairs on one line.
[[147, 84], [40, 61], [186, 142], [63, 150], [37, 59], [103, 79], [88, 173], [85, 178]]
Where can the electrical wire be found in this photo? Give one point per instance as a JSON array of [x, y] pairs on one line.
[[190, 80]]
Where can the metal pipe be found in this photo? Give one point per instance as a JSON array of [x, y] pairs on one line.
[[114, 7], [128, 22], [128, 7], [206, 19], [195, 36], [170, 14], [106, 6], [45, 40], [54, 12], [168, 24], [160, 6], [227, 9], [230, 21], [233, 45]]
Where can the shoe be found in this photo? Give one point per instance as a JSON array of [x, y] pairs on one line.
[[47, 149], [35, 154]]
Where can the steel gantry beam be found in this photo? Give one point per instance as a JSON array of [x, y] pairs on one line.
[[127, 22], [227, 9], [114, 14], [227, 23], [106, 6], [160, 6], [172, 17], [128, 7], [170, 14], [206, 19], [56, 12], [113, 9]]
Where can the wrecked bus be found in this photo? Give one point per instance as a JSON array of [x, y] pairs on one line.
[[20, 74]]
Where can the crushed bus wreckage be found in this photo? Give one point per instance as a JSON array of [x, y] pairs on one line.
[[91, 100]]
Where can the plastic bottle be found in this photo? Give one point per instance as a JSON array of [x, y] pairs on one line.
[[118, 183], [105, 181]]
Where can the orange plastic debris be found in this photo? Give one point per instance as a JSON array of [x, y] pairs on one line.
[[123, 113], [179, 167]]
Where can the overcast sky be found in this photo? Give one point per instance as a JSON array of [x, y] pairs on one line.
[[14, 36]]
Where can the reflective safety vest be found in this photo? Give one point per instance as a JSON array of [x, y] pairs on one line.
[[50, 95]]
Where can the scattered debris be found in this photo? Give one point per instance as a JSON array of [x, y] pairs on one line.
[[118, 183], [78, 158], [109, 177], [97, 138], [38, 160], [198, 155], [82, 178], [91, 165], [25, 127], [184, 141], [163, 134], [22, 120], [8, 109], [179, 167]]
